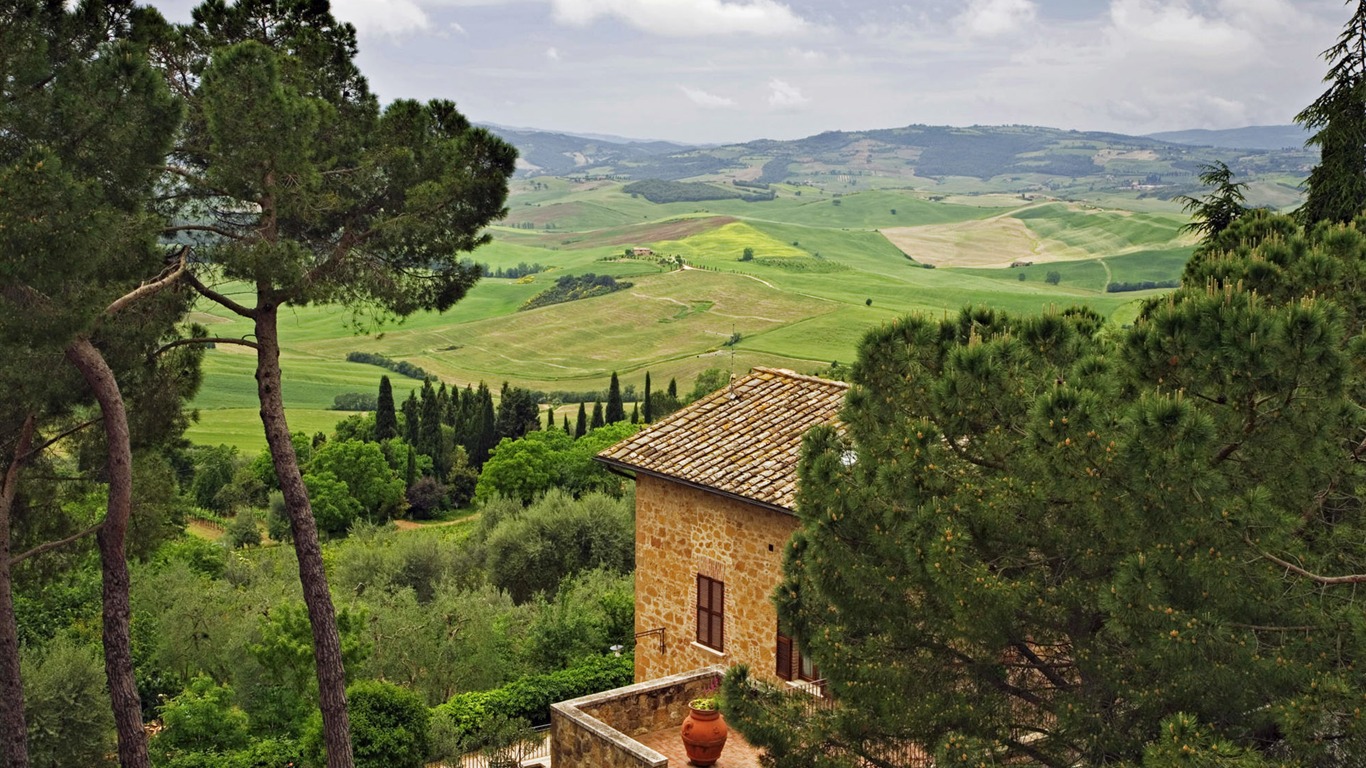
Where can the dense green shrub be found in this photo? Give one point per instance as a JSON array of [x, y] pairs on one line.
[[388, 728], [69, 722], [557, 537], [243, 531], [202, 718], [401, 367], [202, 556], [573, 288], [529, 698], [355, 401]]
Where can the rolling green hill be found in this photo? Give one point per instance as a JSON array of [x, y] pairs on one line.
[[853, 237]]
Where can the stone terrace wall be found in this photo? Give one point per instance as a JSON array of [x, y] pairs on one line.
[[682, 531], [595, 731]]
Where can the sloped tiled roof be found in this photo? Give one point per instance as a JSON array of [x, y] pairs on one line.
[[743, 440]]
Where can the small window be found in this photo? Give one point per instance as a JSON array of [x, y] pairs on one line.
[[807, 669], [711, 604]]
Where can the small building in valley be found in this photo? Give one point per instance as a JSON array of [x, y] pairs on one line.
[[641, 250]]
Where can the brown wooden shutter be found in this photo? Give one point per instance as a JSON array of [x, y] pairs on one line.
[[784, 655], [711, 605]]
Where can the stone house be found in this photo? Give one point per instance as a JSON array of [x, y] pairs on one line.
[[716, 486], [716, 490]]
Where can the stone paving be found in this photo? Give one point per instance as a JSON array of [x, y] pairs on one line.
[[667, 742]]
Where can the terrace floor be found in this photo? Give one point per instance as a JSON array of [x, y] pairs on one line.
[[738, 753]]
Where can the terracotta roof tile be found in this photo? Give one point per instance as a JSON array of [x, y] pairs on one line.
[[743, 440]]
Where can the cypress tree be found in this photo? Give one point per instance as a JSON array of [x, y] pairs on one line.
[[386, 420], [581, 428], [485, 426], [647, 397], [412, 420], [410, 471], [465, 419], [673, 389], [451, 416], [597, 420], [635, 413], [430, 440], [550, 416], [616, 411], [567, 430]]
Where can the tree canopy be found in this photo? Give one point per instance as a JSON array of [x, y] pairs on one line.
[[1039, 540]]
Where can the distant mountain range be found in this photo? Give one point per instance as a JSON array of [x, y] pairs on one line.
[[1006, 158], [1251, 137]]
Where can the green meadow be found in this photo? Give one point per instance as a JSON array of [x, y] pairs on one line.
[[823, 273]]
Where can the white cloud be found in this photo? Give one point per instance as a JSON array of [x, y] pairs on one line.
[[385, 17], [709, 100], [995, 18], [552, 54], [684, 18], [783, 94], [455, 27]]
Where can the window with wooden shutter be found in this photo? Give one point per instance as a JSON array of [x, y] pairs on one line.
[[711, 604], [784, 656]]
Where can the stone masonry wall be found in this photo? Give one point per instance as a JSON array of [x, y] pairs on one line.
[[595, 731], [682, 531]]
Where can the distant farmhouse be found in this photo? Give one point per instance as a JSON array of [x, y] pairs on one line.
[[641, 250]]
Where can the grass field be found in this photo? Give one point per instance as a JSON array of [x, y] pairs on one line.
[[826, 269]]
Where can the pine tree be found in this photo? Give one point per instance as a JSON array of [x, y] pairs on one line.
[[1224, 204], [386, 420], [1336, 187], [616, 411], [597, 420], [280, 128], [581, 427], [648, 413], [1032, 526], [84, 121]]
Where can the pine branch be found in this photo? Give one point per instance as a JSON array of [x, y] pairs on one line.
[[65, 433], [203, 340], [167, 278], [1327, 581], [219, 298], [51, 545]]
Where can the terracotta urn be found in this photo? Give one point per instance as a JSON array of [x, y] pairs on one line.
[[704, 734]]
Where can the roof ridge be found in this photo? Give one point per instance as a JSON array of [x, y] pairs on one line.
[[791, 374]]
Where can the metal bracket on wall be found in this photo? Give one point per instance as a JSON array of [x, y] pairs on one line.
[[648, 632]]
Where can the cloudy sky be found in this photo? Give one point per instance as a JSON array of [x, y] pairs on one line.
[[735, 70]]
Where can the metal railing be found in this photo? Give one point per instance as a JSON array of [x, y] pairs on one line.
[[531, 752]]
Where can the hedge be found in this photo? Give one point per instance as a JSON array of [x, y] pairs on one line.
[[530, 697]]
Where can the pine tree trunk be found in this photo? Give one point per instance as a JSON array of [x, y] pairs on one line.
[[118, 651], [12, 725], [326, 640]]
